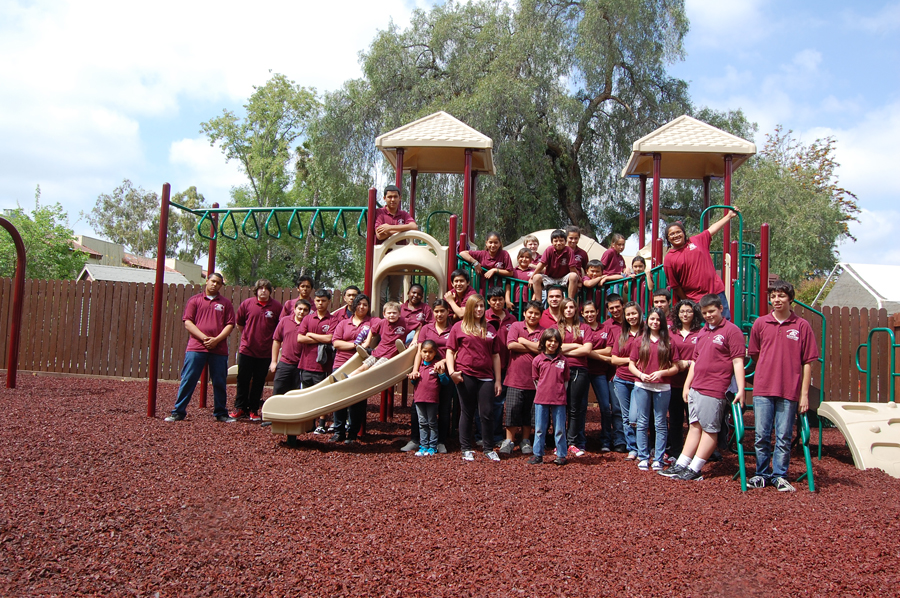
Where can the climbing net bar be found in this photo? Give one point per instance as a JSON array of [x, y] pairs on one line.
[[256, 221]]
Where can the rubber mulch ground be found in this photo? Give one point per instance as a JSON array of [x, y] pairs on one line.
[[97, 499]]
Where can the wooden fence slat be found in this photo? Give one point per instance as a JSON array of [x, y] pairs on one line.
[[85, 291], [845, 351], [46, 316], [64, 326], [176, 306], [146, 325], [883, 343], [99, 312], [57, 321], [127, 331], [117, 344], [857, 390], [6, 291], [31, 332]]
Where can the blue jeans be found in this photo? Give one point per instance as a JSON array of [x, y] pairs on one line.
[[194, 362], [643, 400], [542, 414], [623, 396], [601, 391], [618, 428], [782, 413]]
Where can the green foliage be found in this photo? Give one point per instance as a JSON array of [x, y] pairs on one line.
[[563, 89], [48, 243], [129, 216], [807, 290]]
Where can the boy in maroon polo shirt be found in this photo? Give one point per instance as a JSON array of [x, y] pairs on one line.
[[415, 312], [315, 330], [257, 318], [344, 311], [553, 314], [389, 330], [209, 318], [573, 235], [305, 289], [784, 347], [718, 355], [286, 351], [390, 219], [556, 266]]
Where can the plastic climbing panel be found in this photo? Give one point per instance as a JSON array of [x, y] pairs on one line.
[[872, 430]]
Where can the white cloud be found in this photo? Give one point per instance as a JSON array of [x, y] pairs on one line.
[[884, 21], [197, 163], [876, 233], [717, 24]]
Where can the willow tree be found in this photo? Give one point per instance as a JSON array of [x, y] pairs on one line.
[[563, 89]]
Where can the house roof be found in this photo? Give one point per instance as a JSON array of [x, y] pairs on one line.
[[437, 143], [79, 247], [147, 263], [691, 149], [882, 281], [126, 274]]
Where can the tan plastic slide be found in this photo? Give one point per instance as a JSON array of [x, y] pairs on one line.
[[872, 430], [295, 412]]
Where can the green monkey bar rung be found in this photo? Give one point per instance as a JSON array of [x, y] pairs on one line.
[[250, 225], [868, 371]]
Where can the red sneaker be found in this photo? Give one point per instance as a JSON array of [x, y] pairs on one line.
[[238, 413], [254, 417]]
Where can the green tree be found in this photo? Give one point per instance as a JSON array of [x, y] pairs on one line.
[[563, 89], [48, 243], [129, 216]]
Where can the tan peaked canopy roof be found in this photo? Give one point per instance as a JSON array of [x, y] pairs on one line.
[[437, 143], [690, 149]]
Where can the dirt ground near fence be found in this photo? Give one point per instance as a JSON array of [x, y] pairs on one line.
[[100, 500]]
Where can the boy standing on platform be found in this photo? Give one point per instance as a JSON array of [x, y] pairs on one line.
[[784, 347]]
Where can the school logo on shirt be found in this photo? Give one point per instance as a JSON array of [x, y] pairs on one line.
[[793, 334], [445, 335], [604, 335], [718, 339], [564, 262], [325, 328], [270, 314], [560, 365], [691, 246], [420, 316], [694, 340], [489, 335], [220, 307]]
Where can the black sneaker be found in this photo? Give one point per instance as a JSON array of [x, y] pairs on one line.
[[536, 460], [689, 475], [174, 417], [672, 471], [756, 481], [559, 461], [338, 437], [225, 419]]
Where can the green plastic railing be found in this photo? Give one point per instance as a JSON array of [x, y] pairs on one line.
[[868, 370], [821, 361], [431, 215], [250, 224]]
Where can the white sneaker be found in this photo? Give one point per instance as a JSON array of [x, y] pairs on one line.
[[657, 466], [756, 481], [783, 485], [492, 455], [643, 465], [421, 453], [507, 447], [468, 455]]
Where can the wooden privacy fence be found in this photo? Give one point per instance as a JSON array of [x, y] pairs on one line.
[[102, 328]]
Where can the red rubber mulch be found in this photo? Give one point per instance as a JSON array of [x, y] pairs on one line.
[[98, 499]]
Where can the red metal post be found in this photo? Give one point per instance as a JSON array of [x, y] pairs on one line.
[[642, 212], [658, 249], [474, 207], [398, 177], [726, 230], [382, 409], [158, 299], [735, 263], [210, 268], [413, 175], [467, 189], [451, 250], [463, 243], [763, 270], [15, 327], [654, 218], [705, 224], [370, 241]]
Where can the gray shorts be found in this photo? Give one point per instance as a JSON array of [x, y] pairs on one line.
[[549, 282], [706, 410]]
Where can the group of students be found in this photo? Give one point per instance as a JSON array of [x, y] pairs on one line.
[[507, 378]]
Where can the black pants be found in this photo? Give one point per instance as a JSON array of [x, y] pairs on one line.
[[446, 402], [677, 410], [475, 396], [287, 378], [308, 378], [251, 379], [576, 407]]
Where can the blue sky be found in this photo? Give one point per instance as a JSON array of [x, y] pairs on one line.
[[95, 91]]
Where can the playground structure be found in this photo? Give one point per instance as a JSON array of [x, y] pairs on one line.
[[692, 150]]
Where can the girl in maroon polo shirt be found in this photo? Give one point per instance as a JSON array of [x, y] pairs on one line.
[[683, 337], [622, 338], [522, 342], [473, 362], [597, 368], [459, 293], [652, 362], [286, 351], [348, 421], [550, 373], [576, 346], [448, 405], [492, 263]]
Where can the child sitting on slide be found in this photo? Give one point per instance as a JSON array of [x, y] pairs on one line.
[[388, 330]]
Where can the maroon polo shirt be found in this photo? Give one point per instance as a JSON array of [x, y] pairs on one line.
[[580, 258], [259, 322], [682, 349], [382, 216], [428, 388], [416, 317], [691, 268], [578, 338], [547, 320], [286, 334], [474, 355], [388, 333], [500, 260], [597, 336], [346, 330], [780, 351], [429, 332], [518, 372], [461, 301], [550, 375], [558, 263], [501, 326], [210, 316], [652, 364], [622, 371], [313, 323], [713, 353], [287, 310], [613, 262], [609, 325], [524, 275]]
